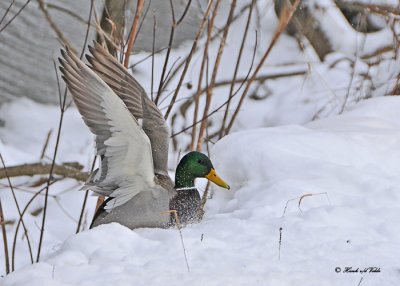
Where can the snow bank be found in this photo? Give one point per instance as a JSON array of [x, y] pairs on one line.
[[353, 159]]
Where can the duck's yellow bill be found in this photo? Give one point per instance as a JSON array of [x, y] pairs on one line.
[[213, 177]]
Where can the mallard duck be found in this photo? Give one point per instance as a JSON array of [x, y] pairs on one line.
[[133, 172]]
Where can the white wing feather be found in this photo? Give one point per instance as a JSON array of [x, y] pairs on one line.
[[128, 157]]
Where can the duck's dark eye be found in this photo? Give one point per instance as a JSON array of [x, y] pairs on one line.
[[199, 161]]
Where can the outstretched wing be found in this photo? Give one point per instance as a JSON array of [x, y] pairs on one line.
[[135, 98], [127, 164]]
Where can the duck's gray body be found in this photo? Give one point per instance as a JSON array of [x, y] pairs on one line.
[[148, 209], [152, 209]]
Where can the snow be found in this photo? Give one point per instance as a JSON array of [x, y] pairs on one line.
[[342, 36], [352, 159]]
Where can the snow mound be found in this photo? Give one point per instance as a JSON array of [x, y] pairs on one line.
[[351, 165]]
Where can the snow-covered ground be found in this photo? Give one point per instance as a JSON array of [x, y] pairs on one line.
[[352, 159], [256, 233]]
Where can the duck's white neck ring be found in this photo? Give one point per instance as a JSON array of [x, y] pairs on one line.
[[185, 188]]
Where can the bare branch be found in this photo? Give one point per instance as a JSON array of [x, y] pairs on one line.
[[67, 170], [370, 8], [242, 81]]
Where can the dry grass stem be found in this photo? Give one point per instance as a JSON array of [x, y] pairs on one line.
[[46, 143], [7, 11], [152, 57], [63, 40], [5, 243], [226, 102], [189, 58], [210, 89], [13, 17], [20, 220], [85, 198], [179, 227], [233, 81], [133, 32], [213, 38], [174, 25], [19, 212], [301, 199], [284, 19], [199, 84], [87, 31], [280, 243]]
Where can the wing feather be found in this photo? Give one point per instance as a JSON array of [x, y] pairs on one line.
[[135, 98], [127, 163]]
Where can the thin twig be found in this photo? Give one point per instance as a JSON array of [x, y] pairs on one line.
[[152, 56], [52, 6], [280, 243], [63, 107], [215, 70], [87, 29], [5, 243], [63, 40], [15, 16], [214, 37], [133, 33], [204, 198], [189, 58], [174, 25], [170, 69], [353, 72], [19, 211], [143, 18], [184, 13], [383, 10], [170, 42], [18, 188], [147, 57], [260, 78], [8, 10], [198, 92], [286, 16], [226, 102], [53, 164], [46, 143], [85, 198], [21, 221], [178, 225], [233, 81]]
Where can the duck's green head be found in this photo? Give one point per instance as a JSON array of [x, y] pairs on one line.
[[196, 165]]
